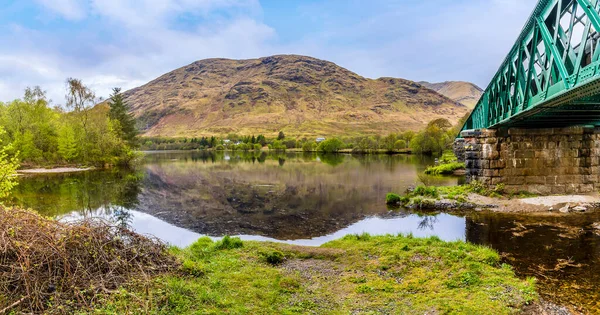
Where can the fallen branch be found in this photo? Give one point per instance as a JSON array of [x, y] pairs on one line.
[[4, 310]]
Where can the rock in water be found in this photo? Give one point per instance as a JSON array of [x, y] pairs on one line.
[[580, 209], [565, 209]]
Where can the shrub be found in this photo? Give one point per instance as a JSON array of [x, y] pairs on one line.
[[201, 247], [228, 242], [273, 257], [426, 191], [290, 144], [392, 199], [192, 268], [309, 146], [220, 147], [257, 147], [243, 147], [332, 145], [445, 169], [448, 157]]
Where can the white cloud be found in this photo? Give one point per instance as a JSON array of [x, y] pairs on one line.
[[69, 9], [127, 43], [142, 45]]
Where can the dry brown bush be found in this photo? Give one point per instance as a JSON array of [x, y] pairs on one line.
[[47, 265]]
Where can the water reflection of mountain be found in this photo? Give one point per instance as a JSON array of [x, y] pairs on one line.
[[562, 252], [303, 199], [284, 196]]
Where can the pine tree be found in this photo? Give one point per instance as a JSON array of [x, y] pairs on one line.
[[262, 140], [281, 136], [119, 111]]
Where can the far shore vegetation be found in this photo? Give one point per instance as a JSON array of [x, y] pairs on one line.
[[437, 137]]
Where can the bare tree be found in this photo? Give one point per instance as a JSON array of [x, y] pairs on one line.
[[79, 97]]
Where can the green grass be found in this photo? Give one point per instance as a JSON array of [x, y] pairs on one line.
[[356, 274], [448, 165], [422, 195], [445, 169]]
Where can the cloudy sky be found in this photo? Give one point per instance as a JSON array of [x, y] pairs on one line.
[[127, 43]]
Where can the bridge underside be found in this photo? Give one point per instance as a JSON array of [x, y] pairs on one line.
[[584, 111], [551, 76]]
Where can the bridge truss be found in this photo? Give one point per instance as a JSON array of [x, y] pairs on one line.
[[551, 77]]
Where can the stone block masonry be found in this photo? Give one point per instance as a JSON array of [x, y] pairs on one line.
[[542, 161]]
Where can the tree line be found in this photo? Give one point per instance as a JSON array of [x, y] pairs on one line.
[[437, 137], [34, 133]]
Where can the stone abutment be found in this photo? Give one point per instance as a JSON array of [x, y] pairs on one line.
[[541, 161]]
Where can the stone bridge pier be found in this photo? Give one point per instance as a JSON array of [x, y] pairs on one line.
[[542, 161]]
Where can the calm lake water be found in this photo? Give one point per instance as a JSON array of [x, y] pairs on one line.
[[309, 199]]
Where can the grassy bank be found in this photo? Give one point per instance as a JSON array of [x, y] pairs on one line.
[[357, 274], [83, 268], [460, 197]]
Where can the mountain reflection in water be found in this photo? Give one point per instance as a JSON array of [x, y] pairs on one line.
[[309, 199]]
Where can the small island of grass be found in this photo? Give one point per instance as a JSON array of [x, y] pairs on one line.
[[447, 165]]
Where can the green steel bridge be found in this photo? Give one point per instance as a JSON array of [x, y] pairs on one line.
[[551, 77]]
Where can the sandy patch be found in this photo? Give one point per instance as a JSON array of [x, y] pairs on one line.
[[54, 170], [536, 204], [550, 201]]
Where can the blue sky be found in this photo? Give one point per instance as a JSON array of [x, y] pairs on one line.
[[126, 43]]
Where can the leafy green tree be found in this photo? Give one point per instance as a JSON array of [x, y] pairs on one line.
[[332, 145], [389, 141], [309, 146], [281, 136], [400, 145], [26, 146], [437, 137], [120, 112], [8, 169], [277, 146], [67, 145]]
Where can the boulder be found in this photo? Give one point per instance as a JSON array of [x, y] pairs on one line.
[[565, 209]]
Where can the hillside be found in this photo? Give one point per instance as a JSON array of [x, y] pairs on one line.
[[463, 92], [300, 95]]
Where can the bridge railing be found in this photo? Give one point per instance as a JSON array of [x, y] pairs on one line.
[[556, 52]]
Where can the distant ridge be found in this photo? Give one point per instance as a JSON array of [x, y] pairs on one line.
[[300, 95], [464, 92]]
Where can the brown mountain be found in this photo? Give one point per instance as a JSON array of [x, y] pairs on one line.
[[463, 92], [300, 95]]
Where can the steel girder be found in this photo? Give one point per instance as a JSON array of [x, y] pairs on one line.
[[551, 77]]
